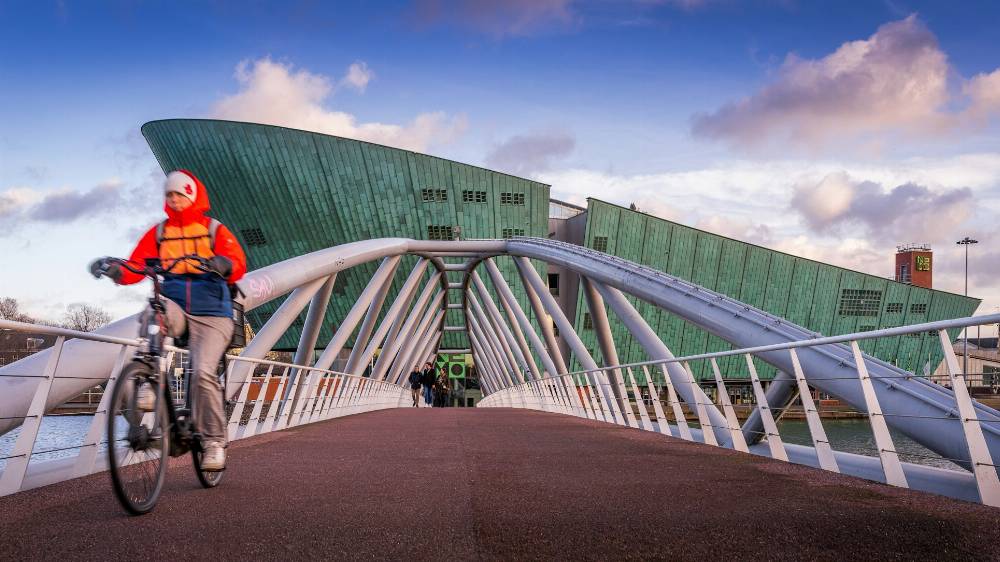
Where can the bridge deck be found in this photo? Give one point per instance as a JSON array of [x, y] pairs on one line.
[[495, 483]]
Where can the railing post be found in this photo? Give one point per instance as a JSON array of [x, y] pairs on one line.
[[87, 458], [654, 397], [979, 455], [241, 401], [739, 442], [254, 421], [643, 414], [883, 440], [707, 431], [682, 427], [824, 454], [774, 442], [17, 462]]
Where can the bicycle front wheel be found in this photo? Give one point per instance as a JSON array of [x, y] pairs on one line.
[[138, 439]]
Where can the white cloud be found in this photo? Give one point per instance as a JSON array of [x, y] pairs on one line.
[[908, 211], [358, 76], [891, 86], [522, 155], [277, 94]]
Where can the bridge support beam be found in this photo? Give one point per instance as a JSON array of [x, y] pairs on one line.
[[394, 317], [609, 354], [368, 325], [682, 380], [503, 331], [404, 362], [516, 336], [394, 344], [595, 375]]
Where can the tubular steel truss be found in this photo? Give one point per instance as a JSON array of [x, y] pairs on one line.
[[519, 362]]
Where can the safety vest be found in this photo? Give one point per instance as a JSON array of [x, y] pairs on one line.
[[176, 241]]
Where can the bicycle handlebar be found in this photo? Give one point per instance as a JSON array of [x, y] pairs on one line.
[[154, 266]]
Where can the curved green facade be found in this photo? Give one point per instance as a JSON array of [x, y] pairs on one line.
[[286, 192], [824, 298]]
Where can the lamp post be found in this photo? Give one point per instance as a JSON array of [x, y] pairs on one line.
[[965, 342]]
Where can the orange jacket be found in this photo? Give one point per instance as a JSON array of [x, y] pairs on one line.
[[191, 291]]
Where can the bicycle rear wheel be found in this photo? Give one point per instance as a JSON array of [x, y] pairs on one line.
[[138, 441], [208, 478]]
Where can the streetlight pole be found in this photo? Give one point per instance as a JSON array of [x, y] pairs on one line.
[[965, 341]]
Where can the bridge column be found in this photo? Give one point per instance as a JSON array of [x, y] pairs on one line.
[[491, 352], [552, 346], [483, 367], [494, 328], [273, 329], [682, 380], [395, 342], [609, 354], [521, 319], [405, 360], [512, 330], [595, 375], [355, 360], [394, 317]]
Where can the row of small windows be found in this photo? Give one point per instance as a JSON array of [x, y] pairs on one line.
[[447, 232], [434, 195], [473, 196], [915, 308], [507, 198], [440, 232], [253, 236], [860, 302]]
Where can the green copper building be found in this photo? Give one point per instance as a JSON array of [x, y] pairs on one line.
[[287, 192]]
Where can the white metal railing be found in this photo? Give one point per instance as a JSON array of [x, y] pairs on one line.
[[574, 394], [261, 404]]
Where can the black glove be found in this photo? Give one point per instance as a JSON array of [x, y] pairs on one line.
[[222, 265], [105, 267]]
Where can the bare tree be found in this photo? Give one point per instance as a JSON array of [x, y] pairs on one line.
[[85, 318], [10, 310]]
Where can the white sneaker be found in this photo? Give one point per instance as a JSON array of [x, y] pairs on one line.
[[145, 397], [214, 458]]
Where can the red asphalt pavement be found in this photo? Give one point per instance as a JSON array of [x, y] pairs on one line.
[[473, 484]]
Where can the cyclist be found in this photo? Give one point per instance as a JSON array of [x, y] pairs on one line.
[[197, 302]]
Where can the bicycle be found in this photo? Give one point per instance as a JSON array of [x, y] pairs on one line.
[[140, 440]]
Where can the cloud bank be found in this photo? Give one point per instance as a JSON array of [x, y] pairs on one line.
[[894, 83], [275, 93], [523, 155], [906, 212]]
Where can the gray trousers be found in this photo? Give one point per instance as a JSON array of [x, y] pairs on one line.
[[208, 339]]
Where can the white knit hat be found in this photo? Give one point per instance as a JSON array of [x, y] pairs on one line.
[[182, 183]]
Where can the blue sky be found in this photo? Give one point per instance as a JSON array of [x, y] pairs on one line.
[[787, 123]]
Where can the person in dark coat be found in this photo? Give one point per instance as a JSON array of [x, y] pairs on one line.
[[427, 378], [415, 377]]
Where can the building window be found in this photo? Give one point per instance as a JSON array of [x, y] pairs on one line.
[[588, 322], [601, 243], [512, 232], [866, 329], [253, 236], [991, 375], [473, 196], [894, 307], [860, 302], [431, 195], [918, 308], [507, 198], [439, 232], [554, 284]]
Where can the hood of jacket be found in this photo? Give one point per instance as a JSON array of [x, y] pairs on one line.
[[197, 209]]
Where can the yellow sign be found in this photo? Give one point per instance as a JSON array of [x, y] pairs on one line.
[[923, 263]]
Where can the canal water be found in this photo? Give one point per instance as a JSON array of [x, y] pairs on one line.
[[61, 436]]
